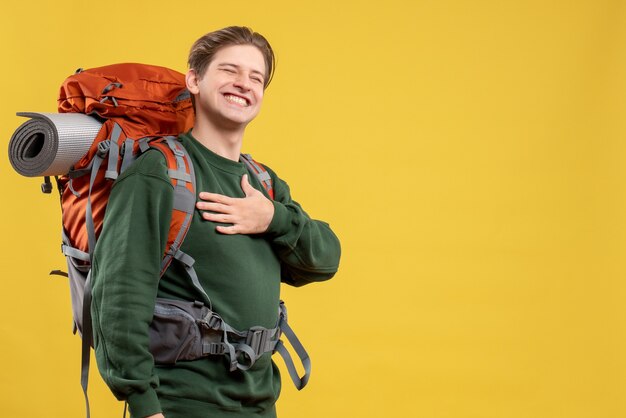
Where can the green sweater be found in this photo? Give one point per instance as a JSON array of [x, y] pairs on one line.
[[240, 273]]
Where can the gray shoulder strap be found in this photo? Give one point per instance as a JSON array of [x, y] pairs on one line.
[[262, 174]]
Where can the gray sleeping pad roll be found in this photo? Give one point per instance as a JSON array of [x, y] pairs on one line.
[[49, 144]]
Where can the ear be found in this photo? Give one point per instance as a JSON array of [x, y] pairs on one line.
[[191, 79]]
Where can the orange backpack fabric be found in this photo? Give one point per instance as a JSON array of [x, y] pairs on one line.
[[145, 101], [137, 104]]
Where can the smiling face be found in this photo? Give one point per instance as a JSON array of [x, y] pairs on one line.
[[230, 93]]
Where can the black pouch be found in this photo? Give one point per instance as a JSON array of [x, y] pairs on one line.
[[174, 332]]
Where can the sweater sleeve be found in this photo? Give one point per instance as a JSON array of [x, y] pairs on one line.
[[125, 276], [308, 249]]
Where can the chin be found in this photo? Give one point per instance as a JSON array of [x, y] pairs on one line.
[[238, 118], [235, 123]]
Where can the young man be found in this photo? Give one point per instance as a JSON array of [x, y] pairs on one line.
[[244, 244]]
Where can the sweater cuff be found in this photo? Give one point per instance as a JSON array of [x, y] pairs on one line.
[[281, 222], [144, 404]]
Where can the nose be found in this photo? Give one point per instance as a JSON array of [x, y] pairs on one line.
[[242, 82]]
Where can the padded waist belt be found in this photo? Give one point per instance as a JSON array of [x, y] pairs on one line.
[[190, 330]]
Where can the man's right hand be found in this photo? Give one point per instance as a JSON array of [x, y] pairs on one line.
[[247, 215]]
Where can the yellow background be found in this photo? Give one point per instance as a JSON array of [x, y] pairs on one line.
[[469, 154]]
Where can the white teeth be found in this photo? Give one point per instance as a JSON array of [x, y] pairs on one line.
[[236, 99]]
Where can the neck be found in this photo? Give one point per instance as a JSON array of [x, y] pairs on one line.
[[224, 141]]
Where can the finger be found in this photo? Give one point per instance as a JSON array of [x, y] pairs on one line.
[[246, 186], [218, 217], [214, 207], [227, 230], [215, 197]]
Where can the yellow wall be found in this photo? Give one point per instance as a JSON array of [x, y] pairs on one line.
[[469, 154]]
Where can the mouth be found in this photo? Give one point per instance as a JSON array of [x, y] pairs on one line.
[[238, 100]]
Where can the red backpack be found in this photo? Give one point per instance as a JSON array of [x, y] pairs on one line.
[[137, 103]]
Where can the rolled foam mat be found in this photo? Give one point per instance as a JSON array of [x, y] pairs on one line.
[[49, 144]]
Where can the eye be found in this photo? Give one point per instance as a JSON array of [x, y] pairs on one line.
[[257, 80]]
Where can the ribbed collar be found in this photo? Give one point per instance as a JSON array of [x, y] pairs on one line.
[[217, 161]]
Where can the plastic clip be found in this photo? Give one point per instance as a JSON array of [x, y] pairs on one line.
[[103, 148], [211, 321], [255, 339]]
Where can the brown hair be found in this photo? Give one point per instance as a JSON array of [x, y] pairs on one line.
[[204, 49]]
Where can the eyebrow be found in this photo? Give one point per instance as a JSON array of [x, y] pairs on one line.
[[223, 64]]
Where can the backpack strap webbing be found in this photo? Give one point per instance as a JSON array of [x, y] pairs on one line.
[[87, 342], [114, 153], [87, 332], [182, 177], [257, 343], [287, 331], [260, 172], [180, 170]]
